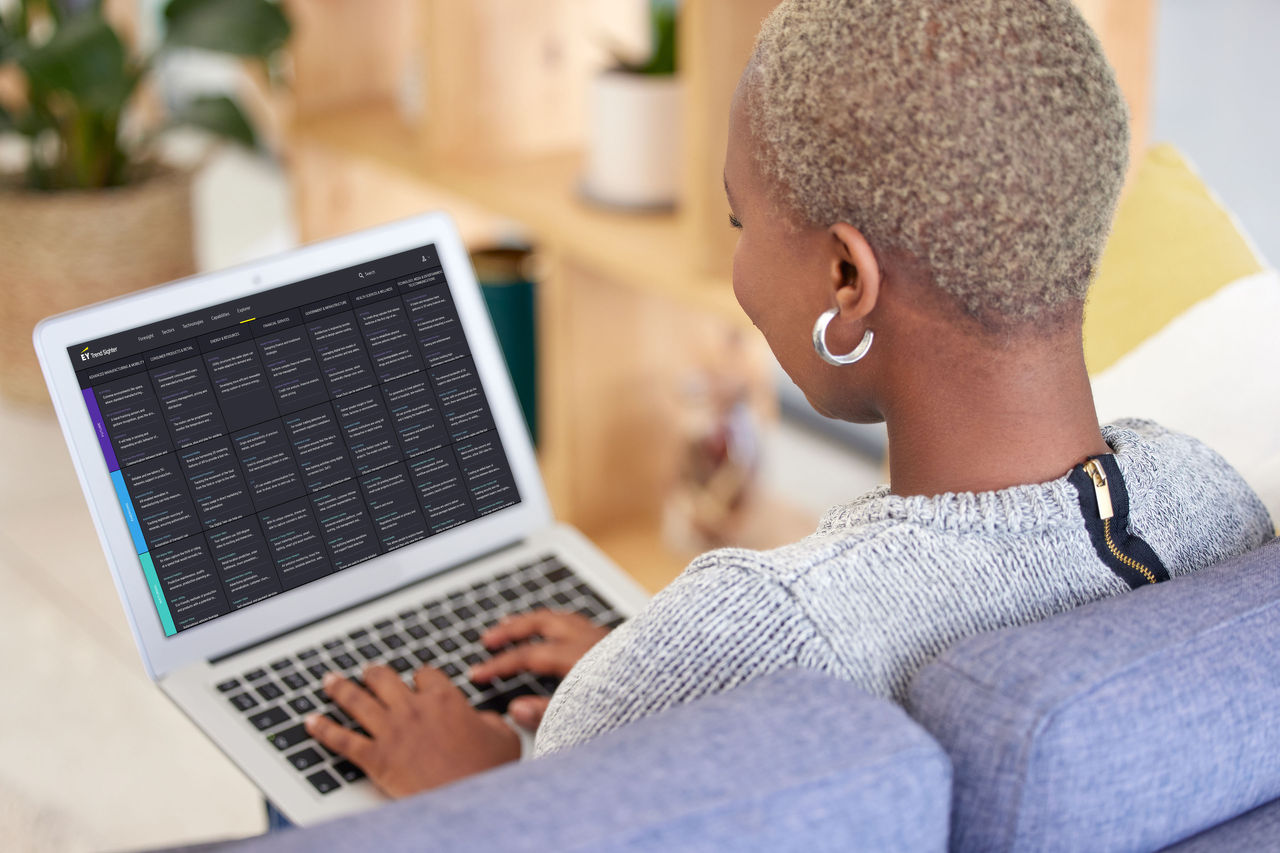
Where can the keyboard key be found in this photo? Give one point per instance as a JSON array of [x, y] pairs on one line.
[[282, 664], [264, 720], [340, 717], [408, 614], [243, 701], [558, 574], [546, 684], [416, 631], [348, 771], [270, 691], [533, 586], [440, 622], [318, 670], [584, 590], [472, 659], [508, 594], [615, 622], [448, 644], [290, 737], [499, 702], [359, 633], [424, 654], [304, 758], [486, 603], [400, 664], [393, 641], [323, 782], [456, 595], [333, 644], [308, 654], [345, 661], [322, 698], [228, 685], [464, 612], [560, 598], [382, 625], [370, 651], [295, 681], [451, 669], [255, 675], [301, 705], [471, 635]]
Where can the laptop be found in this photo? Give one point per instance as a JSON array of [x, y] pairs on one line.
[[311, 463]]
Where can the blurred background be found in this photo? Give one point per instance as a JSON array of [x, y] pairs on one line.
[[578, 143]]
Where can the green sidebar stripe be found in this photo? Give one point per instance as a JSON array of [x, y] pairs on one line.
[[158, 594]]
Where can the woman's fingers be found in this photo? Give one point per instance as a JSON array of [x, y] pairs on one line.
[[540, 658], [386, 685], [355, 700], [520, 626], [527, 711], [340, 739]]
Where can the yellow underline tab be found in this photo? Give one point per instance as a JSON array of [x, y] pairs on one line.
[[248, 320]]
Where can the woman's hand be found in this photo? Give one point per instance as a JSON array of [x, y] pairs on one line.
[[566, 637], [418, 739]]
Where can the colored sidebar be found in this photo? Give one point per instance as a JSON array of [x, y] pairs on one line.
[[100, 429], [130, 516], [162, 606]]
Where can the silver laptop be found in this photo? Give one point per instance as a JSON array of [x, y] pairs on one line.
[[311, 463]]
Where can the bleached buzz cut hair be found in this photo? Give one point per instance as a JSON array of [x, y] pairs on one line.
[[987, 139]]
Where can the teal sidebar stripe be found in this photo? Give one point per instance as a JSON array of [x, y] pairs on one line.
[[158, 594]]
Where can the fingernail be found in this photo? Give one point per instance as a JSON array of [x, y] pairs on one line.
[[310, 721], [330, 678]]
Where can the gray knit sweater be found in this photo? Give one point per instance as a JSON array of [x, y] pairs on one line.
[[887, 583]]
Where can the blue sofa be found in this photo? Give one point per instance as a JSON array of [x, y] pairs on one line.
[[1136, 723]]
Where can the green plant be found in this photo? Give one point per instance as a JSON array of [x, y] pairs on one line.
[[662, 58], [79, 81]]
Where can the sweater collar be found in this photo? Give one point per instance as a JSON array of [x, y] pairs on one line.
[[1017, 509]]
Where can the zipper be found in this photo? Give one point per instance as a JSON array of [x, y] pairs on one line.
[[1106, 512], [1095, 472]]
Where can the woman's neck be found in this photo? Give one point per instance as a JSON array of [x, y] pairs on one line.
[[971, 418]]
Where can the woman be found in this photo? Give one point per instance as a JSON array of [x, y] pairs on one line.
[[923, 190]]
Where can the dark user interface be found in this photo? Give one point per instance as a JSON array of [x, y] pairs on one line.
[[261, 444]]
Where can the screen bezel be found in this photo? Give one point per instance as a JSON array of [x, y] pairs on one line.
[[314, 600]]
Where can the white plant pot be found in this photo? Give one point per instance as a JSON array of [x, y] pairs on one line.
[[633, 146]]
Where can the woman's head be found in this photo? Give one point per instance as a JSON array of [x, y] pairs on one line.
[[973, 149]]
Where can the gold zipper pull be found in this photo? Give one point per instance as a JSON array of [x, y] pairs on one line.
[[1094, 470]]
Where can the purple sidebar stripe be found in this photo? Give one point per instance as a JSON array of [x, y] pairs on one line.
[[100, 429]]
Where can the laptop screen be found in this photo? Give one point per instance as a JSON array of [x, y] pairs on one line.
[[264, 443]]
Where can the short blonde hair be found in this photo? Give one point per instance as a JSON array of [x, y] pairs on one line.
[[985, 138]]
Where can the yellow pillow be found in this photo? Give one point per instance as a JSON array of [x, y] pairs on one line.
[[1171, 246]]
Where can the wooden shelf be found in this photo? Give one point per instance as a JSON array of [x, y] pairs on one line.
[[647, 251]]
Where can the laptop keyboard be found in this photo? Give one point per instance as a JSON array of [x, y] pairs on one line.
[[443, 633]]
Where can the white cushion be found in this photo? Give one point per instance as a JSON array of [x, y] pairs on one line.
[[1213, 372]]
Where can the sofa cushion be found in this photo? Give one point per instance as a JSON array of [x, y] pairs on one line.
[[1256, 830], [1127, 724], [793, 761]]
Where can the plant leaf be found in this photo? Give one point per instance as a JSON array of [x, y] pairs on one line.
[[242, 27], [217, 114], [84, 59]]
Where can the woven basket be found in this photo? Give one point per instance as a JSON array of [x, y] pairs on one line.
[[63, 250]]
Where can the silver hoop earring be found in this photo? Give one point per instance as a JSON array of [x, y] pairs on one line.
[[820, 341]]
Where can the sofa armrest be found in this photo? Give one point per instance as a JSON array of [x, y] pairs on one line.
[[792, 761]]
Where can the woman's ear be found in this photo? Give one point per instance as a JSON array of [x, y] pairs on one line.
[[855, 272]]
